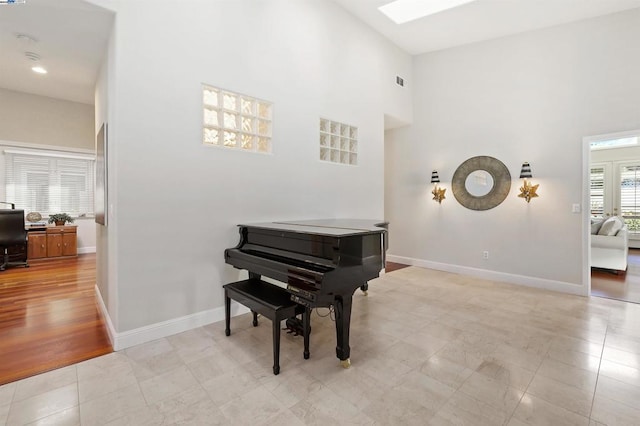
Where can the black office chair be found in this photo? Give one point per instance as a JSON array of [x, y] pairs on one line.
[[13, 238]]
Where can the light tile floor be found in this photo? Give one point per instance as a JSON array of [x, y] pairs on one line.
[[427, 347]]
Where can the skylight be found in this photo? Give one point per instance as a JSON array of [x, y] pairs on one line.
[[401, 11], [615, 143]]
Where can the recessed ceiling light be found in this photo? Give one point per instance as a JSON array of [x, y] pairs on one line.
[[401, 11], [35, 58], [39, 69]]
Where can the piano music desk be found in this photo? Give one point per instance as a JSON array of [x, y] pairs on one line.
[[270, 301]]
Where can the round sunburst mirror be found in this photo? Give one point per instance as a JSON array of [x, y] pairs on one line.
[[481, 183]]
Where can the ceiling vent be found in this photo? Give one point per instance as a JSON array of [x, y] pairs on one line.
[[33, 56]]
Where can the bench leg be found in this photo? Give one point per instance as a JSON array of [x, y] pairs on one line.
[[306, 325], [227, 313], [255, 318], [276, 347]]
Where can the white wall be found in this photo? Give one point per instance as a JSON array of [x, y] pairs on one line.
[[86, 233], [177, 202], [41, 120], [530, 97], [106, 236]]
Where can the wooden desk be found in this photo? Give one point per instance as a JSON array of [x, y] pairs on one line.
[[52, 242]]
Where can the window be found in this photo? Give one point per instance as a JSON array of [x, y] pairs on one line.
[[597, 191], [614, 143], [48, 183], [338, 142], [235, 121], [630, 196]]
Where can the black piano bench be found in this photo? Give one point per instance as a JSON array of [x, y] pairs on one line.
[[270, 301]]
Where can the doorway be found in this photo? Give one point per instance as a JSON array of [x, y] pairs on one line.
[[614, 195]]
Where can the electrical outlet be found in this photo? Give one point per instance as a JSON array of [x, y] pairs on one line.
[[485, 254]]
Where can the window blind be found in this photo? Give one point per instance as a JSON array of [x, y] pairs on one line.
[[48, 184], [597, 191], [630, 196]]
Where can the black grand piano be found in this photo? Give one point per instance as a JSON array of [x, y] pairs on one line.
[[321, 261]]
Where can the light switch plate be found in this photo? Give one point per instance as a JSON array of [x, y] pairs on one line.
[[575, 208]]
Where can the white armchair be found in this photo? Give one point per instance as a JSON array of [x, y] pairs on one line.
[[610, 251]]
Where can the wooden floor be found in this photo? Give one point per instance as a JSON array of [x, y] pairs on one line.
[[390, 266], [624, 286], [49, 317]]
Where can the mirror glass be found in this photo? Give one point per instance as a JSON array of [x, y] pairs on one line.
[[479, 183]]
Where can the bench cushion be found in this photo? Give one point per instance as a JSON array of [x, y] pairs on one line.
[[270, 295]]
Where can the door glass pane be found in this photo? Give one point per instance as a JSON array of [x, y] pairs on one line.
[[630, 196], [597, 191]]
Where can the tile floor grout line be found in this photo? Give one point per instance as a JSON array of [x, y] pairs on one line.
[[534, 336], [593, 398], [546, 355]]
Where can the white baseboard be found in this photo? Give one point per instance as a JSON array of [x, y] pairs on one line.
[[111, 331], [560, 286], [85, 250], [155, 331], [137, 336]]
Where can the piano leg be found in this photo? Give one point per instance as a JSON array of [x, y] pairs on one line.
[[342, 306], [255, 318]]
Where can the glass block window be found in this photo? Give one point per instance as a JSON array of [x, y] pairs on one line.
[[338, 142], [236, 121]]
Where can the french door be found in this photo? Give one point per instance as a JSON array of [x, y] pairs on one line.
[[615, 190], [602, 189]]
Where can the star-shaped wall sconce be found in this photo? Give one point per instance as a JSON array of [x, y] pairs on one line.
[[438, 194], [528, 191]]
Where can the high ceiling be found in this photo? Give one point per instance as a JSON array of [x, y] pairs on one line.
[[71, 41], [72, 34], [479, 20]]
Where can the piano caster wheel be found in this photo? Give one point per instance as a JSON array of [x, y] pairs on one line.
[[227, 333], [276, 370], [306, 355], [345, 363], [364, 289]]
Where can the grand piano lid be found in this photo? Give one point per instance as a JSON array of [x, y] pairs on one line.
[[331, 227]]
